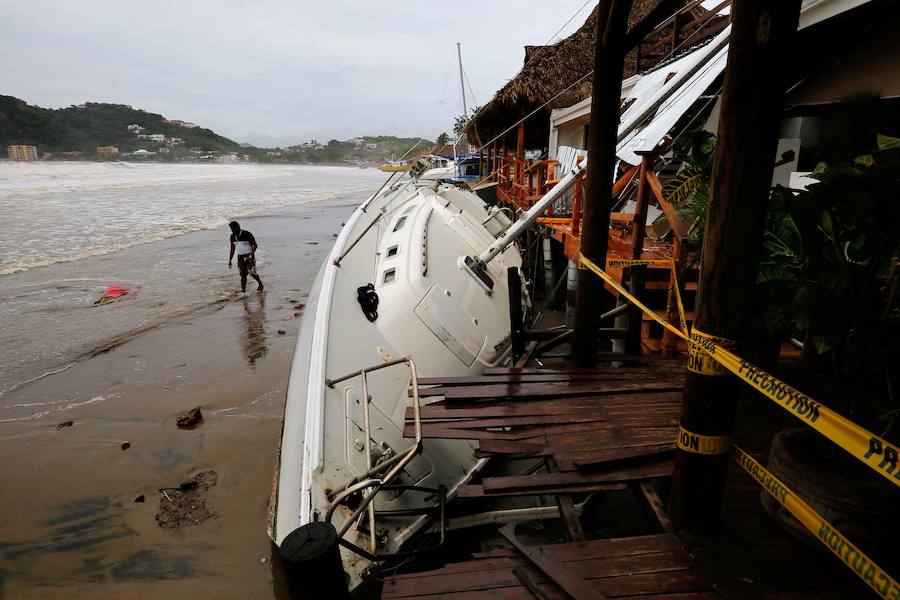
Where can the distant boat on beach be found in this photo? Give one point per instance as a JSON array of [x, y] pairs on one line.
[[392, 166]]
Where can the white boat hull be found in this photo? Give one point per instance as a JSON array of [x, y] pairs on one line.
[[429, 309]]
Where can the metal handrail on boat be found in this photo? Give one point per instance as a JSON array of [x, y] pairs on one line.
[[368, 481]]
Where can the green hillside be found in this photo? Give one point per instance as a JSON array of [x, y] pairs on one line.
[[94, 124], [84, 128]]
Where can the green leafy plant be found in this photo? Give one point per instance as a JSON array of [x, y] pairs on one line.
[[830, 267], [688, 191], [829, 271]]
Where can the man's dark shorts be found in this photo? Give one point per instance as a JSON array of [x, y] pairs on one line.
[[246, 264]]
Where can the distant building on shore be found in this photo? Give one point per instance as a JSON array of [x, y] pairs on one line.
[[20, 152], [107, 150], [157, 137], [179, 123]]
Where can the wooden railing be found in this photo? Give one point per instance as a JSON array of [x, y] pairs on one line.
[[680, 31]]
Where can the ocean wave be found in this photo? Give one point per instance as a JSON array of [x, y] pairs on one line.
[[84, 223]]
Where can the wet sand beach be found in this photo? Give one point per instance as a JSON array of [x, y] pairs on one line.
[[81, 502]]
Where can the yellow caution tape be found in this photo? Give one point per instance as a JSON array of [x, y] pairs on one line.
[[867, 447], [699, 361], [656, 262], [702, 444], [684, 327], [883, 584], [621, 262], [616, 286]]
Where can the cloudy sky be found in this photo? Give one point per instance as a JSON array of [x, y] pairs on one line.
[[274, 72]]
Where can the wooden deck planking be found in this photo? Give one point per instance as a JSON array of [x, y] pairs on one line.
[[654, 566]]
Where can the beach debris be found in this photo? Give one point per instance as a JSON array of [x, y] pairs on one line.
[[187, 504], [112, 293], [189, 419], [139, 498], [125, 445], [65, 424], [313, 243], [263, 560], [299, 306], [281, 332], [334, 235], [287, 317]]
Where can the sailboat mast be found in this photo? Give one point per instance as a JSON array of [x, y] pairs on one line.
[[462, 87]]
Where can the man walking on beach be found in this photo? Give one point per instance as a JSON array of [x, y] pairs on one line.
[[245, 244]]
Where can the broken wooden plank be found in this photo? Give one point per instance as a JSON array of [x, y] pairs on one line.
[[656, 505], [564, 577], [570, 517], [476, 490], [661, 468], [530, 584], [551, 389]]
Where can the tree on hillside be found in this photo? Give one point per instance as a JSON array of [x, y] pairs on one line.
[[443, 139]]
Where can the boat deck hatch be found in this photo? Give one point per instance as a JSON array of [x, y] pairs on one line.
[[451, 324]]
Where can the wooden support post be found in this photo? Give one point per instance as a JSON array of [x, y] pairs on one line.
[[752, 96], [574, 532], [516, 323], [577, 199], [606, 89], [491, 156], [638, 274], [520, 154], [669, 339], [638, 228]]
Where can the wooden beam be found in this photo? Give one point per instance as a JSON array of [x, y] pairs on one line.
[[669, 210], [762, 35], [662, 13], [606, 87]]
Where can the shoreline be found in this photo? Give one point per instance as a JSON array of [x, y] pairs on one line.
[[74, 525]]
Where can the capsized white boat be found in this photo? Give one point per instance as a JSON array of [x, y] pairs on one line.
[[400, 246], [415, 286]]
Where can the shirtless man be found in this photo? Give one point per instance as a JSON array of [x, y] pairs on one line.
[[245, 244]]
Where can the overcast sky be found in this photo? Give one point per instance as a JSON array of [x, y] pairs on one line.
[[274, 72]]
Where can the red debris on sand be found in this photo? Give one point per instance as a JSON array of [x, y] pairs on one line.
[[114, 291]]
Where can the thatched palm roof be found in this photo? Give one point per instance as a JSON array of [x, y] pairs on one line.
[[547, 71]]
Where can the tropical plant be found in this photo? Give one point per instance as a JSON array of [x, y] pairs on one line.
[[831, 263], [830, 266], [688, 191]]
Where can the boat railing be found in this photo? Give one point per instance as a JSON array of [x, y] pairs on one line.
[[380, 477]]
